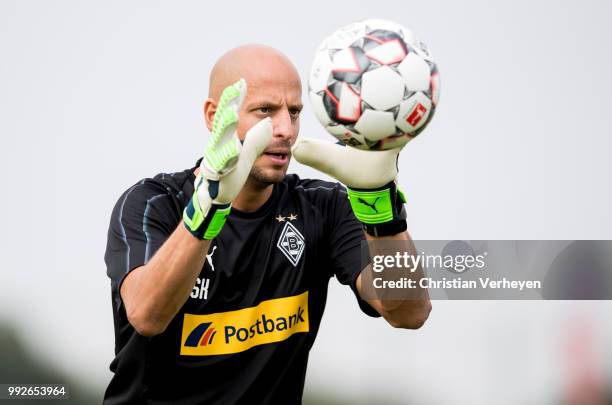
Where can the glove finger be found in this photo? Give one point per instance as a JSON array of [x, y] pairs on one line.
[[353, 167], [223, 146], [255, 142]]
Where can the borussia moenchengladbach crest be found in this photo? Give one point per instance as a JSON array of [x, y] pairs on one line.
[[291, 243]]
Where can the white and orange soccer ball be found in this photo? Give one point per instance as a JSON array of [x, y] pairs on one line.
[[373, 85]]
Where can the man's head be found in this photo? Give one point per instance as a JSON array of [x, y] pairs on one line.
[[273, 90]]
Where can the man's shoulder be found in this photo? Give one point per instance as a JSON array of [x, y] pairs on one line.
[[320, 193], [175, 184], [313, 186]]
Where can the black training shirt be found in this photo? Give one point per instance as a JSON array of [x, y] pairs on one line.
[[244, 334]]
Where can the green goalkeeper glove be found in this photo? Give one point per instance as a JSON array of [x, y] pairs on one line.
[[370, 180], [226, 165]]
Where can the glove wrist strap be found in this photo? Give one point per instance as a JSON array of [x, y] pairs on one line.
[[381, 211], [205, 225]]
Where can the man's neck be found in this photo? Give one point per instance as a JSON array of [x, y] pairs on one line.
[[252, 196]]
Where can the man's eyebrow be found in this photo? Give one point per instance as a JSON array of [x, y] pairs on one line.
[[263, 102]]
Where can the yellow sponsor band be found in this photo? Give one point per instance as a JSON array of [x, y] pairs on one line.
[[236, 331]]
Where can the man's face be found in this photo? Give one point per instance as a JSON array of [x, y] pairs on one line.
[[273, 90]]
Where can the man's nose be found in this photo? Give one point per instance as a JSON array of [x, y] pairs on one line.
[[282, 126]]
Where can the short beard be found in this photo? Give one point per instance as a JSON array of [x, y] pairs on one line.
[[260, 180]]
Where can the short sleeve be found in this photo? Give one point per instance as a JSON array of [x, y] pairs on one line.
[[346, 234], [142, 220]]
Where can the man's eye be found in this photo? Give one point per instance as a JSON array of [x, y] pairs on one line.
[[295, 112], [264, 110]]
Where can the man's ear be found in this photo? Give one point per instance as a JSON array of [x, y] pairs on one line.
[[210, 107]]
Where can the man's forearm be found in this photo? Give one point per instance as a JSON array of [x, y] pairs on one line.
[[154, 293], [409, 312]]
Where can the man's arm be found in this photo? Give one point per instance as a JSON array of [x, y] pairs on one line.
[[405, 313], [154, 293], [377, 203]]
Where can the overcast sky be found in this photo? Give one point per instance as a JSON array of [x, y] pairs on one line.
[[97, 95]]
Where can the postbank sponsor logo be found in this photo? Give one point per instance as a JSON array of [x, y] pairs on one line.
[[270, 321]]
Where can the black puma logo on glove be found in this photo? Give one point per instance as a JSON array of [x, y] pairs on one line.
[[373, 205]]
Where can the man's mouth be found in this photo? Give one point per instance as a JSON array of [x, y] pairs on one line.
[[278, 157]]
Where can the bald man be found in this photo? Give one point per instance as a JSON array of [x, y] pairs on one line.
[[219, 273]]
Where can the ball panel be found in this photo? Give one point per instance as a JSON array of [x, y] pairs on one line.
[[348, 64], [422, 50], [435, 87], [319, 108], [382, 88], [380, 38], [320, 71], [424, 125], [415, 72], [413, 113], [348, 137], [376, 125], [388, 53], [342, 103]]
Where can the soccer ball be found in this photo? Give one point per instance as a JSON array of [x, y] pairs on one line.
[[373, 85]]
